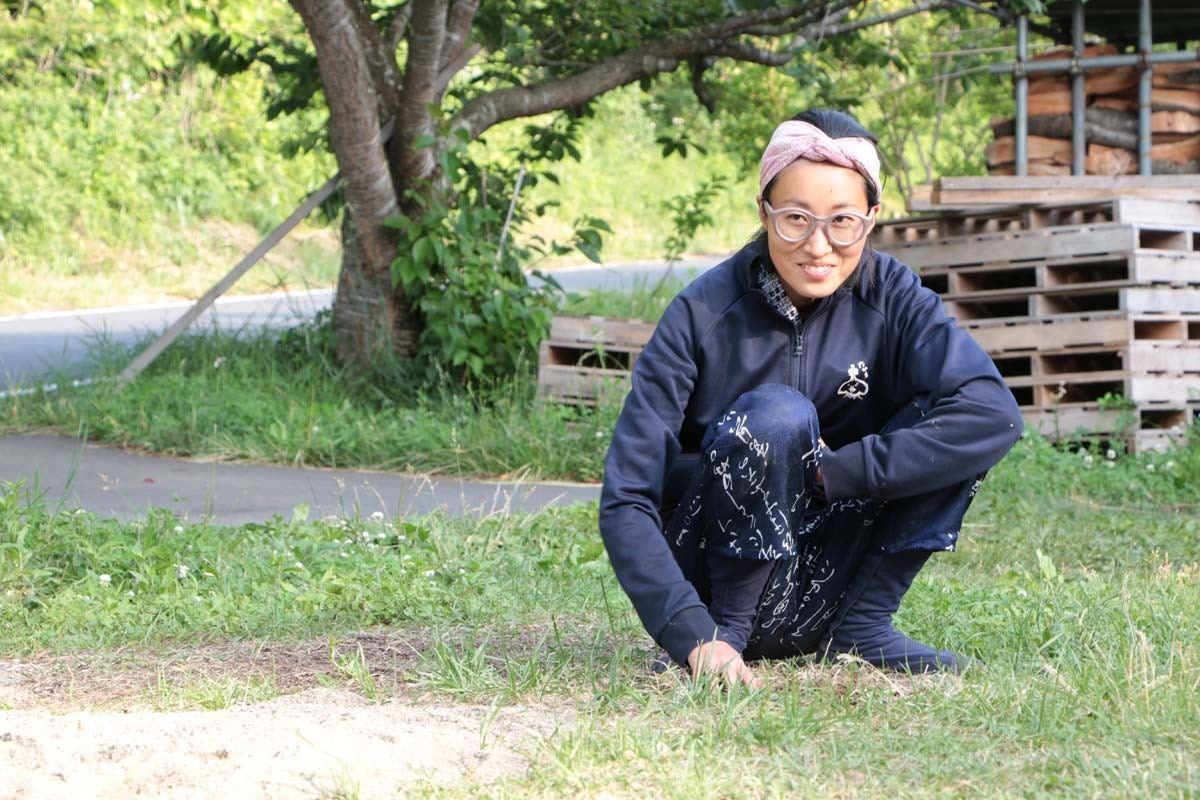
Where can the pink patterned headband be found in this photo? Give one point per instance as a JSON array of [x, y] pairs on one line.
[[793, 140]]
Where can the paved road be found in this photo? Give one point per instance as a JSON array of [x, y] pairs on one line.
[[115, 483], [33, 345], [112, 482]]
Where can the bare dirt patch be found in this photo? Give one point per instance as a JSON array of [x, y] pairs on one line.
[[93, 724], [320, 742]]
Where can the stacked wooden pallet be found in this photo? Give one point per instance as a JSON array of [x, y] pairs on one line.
[[1091, 311], [1110, 121], [586, 360]]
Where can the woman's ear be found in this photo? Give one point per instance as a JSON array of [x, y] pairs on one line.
[[762, 213]]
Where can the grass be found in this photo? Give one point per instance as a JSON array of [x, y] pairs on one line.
[[1077, 587]]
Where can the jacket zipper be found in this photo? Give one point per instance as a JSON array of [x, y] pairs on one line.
[[798, 351]]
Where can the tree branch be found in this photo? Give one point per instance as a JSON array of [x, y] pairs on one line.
[[354, 127], [742, 51], [458, 28], [698, 66], [381, 61], [398, 26], [921, 6], [454, 67], [414, 118], [649, 59]]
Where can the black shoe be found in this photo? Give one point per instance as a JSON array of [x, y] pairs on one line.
[[863, 626]]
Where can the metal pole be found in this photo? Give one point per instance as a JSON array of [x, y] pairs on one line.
[[1022, 86], [1078, 96], [1145, 88], [1057, 65]]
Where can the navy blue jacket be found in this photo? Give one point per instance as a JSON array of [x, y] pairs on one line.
[[860, 355]]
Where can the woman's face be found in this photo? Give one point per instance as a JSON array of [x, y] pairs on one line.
[[816, 267]]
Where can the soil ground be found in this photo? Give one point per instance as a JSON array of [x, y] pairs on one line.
[[101, 725]]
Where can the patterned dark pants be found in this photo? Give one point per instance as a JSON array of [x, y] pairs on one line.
[[753, 496]]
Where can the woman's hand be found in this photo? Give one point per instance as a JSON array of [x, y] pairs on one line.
[[719, 658]]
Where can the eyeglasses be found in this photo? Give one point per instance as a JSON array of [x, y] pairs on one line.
[[843, 229]]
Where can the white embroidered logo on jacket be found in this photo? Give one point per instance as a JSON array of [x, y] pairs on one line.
[[856, 387]]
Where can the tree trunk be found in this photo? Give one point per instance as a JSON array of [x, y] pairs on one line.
[[370, 319]]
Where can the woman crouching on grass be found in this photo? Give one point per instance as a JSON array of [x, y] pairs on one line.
[[805, 427]]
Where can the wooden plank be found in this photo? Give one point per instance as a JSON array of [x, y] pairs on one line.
[[1041, 243], [1116, 329], [1148, 211], [1067, 418], [600, 330], [1003, 150], [964, 192], [581, 384], [1160, 300], [156, 348]]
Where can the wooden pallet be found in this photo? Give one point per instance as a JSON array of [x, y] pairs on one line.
[[1139, 267], [1131, 210], [1041, 244], [1070, 301], [1111, 329], [1138, 429], [975, 192], [1140, 357], [588, 359]]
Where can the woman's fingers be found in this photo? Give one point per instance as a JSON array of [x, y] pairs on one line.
[[719, 658]]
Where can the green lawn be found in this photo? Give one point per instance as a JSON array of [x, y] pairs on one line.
[[1076, 587]]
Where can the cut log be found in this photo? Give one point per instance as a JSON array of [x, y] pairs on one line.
[[1174, 122], [1177, 76], [1048, 103], [1103, 160], [1112, 102], [1112, 128], [1179, 152], [1095, 82], [1187, 99], [1003, 150], [1045, 167]]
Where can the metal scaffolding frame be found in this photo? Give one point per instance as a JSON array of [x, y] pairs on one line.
[[1077, 67]]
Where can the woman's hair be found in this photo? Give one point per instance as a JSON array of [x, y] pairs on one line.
[[836, 125]]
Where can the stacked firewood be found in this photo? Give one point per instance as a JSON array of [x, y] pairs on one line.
[[1111, 120]]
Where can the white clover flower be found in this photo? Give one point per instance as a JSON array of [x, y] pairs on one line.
[[1110, 454], [105, 579], [377, 516], [1169, 465], [218, 361], [179, 529], [299, 565], [1150, 467], [129, 594], [1109, 464], [429, 573], [1087, 459], [182, 570]]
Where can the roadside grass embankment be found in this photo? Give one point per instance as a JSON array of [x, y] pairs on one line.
[[1076, 588]]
